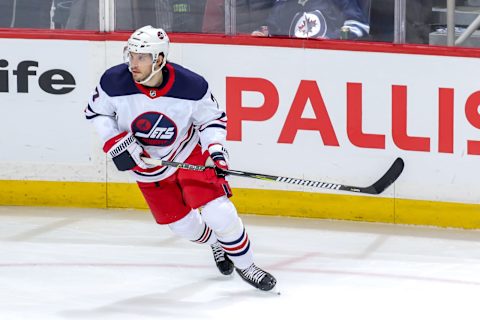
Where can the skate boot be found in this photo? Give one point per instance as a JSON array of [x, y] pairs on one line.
[[224, 264], [257, 277]]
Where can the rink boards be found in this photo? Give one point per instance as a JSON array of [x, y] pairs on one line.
[[312, 110]]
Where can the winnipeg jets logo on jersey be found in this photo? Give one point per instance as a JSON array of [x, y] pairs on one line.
[[154, 129], [309, 25]]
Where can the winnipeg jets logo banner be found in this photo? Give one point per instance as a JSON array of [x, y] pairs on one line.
[[154, 129], [308, 25]]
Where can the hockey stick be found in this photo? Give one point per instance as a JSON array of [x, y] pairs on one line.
[[378, 187]]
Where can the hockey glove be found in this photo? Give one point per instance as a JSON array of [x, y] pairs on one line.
[[219, 157], [125, 151]]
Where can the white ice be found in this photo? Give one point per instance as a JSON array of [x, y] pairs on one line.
[[62, 263]]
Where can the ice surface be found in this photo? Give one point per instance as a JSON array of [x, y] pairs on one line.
[[63, 263]]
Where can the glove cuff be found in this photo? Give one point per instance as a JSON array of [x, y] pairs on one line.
[[125, 152], [111, 143], [217, 148]]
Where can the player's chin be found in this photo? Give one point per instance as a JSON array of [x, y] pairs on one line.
[[137, 76]]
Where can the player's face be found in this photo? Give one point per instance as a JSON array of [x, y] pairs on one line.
[[140, 64]]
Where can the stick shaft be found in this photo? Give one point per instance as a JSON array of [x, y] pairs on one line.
[[378, 187]]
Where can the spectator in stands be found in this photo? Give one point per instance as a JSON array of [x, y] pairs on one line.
[[327, 19], [25, 14], [170, 15], [417, 25], [61, 13], [419, 20], [249, 15], [83, 15]]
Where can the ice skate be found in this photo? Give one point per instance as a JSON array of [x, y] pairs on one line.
[[224, 264], [257, 277]]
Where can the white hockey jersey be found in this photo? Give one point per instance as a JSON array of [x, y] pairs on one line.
[[169, 121]]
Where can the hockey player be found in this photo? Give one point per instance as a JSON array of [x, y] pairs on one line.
[[148, 106], [325, 19]]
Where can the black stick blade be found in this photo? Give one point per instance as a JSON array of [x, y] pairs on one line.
[[388, 178]]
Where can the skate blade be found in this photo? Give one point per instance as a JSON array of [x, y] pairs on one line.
[[275, 291]]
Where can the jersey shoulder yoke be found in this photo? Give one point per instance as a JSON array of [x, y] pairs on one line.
[[188, 85], [118, 81]]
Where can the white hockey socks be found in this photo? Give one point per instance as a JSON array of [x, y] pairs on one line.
[[193, 228]]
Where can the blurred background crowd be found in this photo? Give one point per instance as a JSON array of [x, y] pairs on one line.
[[371, 20]]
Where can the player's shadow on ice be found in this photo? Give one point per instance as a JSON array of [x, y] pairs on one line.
[[196, 300]]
